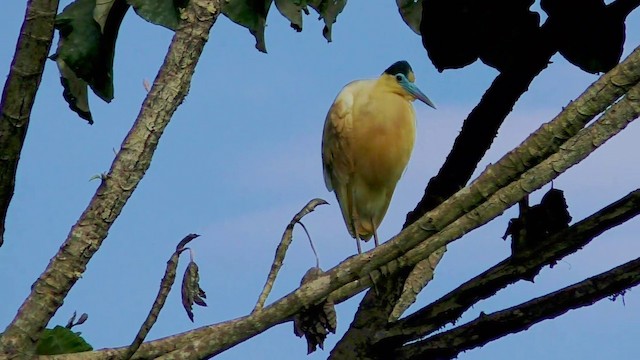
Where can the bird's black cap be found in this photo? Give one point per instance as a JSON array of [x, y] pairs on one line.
[[400, 67]]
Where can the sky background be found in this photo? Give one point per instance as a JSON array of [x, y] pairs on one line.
[[242, 155]]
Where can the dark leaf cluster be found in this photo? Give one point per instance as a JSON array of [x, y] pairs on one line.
[[502, 34], [317, 321], [535, 224], [252, 14], [88, 31]]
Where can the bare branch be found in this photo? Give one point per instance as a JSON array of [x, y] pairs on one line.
[[20, 92], [281, 251], [528, 264], [165, 287], [128, 168], [486, 328]]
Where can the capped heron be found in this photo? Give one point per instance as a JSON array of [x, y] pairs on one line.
[[367, 141]]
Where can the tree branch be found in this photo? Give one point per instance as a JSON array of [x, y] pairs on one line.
[[165, 287], [128, 168], [474, 140], [20, 92], [281, 251], [526, 266], [486, 328]]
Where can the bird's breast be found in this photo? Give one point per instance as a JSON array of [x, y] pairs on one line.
[[384, 128]]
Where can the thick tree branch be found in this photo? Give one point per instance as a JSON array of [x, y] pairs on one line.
[[132, 161], [474, 140], [20, 92], [477, 134], [486, 328], [526, 266], [466, 210]]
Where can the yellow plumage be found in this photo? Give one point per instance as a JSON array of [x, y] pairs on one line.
[[368, 137]]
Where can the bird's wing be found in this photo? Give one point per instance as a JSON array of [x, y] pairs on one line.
[[336, 162]]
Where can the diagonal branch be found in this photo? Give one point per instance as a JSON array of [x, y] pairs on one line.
[[20, 92], [486, 328], [132, 161], [451, 306], [474, 140], [281, 251], [165, 287]]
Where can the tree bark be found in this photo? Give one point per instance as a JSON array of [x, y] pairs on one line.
[[486, 328], [20, 91], [128, 168], [525, 266]]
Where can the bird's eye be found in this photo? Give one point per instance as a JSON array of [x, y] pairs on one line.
[[399, 77]]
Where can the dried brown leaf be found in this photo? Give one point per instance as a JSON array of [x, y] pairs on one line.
[[316, 321], [191, 291]]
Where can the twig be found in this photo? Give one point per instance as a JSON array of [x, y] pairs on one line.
[[165, 287], [281, 251], [313, 248], [127, 170], [451, 306], [449, 344], [20, 91]]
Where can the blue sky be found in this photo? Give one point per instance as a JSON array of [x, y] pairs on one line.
[[242, 155]]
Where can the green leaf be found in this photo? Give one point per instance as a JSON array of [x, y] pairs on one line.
[[160, 12], [328, 11], [292, 10], [251, 14], [101, 12], [411, 12], [88, 32], [61, 340], [75, 91]]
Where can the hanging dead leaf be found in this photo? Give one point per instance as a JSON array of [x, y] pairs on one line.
[[537, 223], [316, 321], [191, 291]]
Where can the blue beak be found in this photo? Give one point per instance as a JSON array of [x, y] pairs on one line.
[[413, 90]]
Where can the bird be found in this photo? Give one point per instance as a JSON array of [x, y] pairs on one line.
[[367, 141]]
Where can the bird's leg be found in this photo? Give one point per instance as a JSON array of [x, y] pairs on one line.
[[375, 233], [355, 219], [355, 230]]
